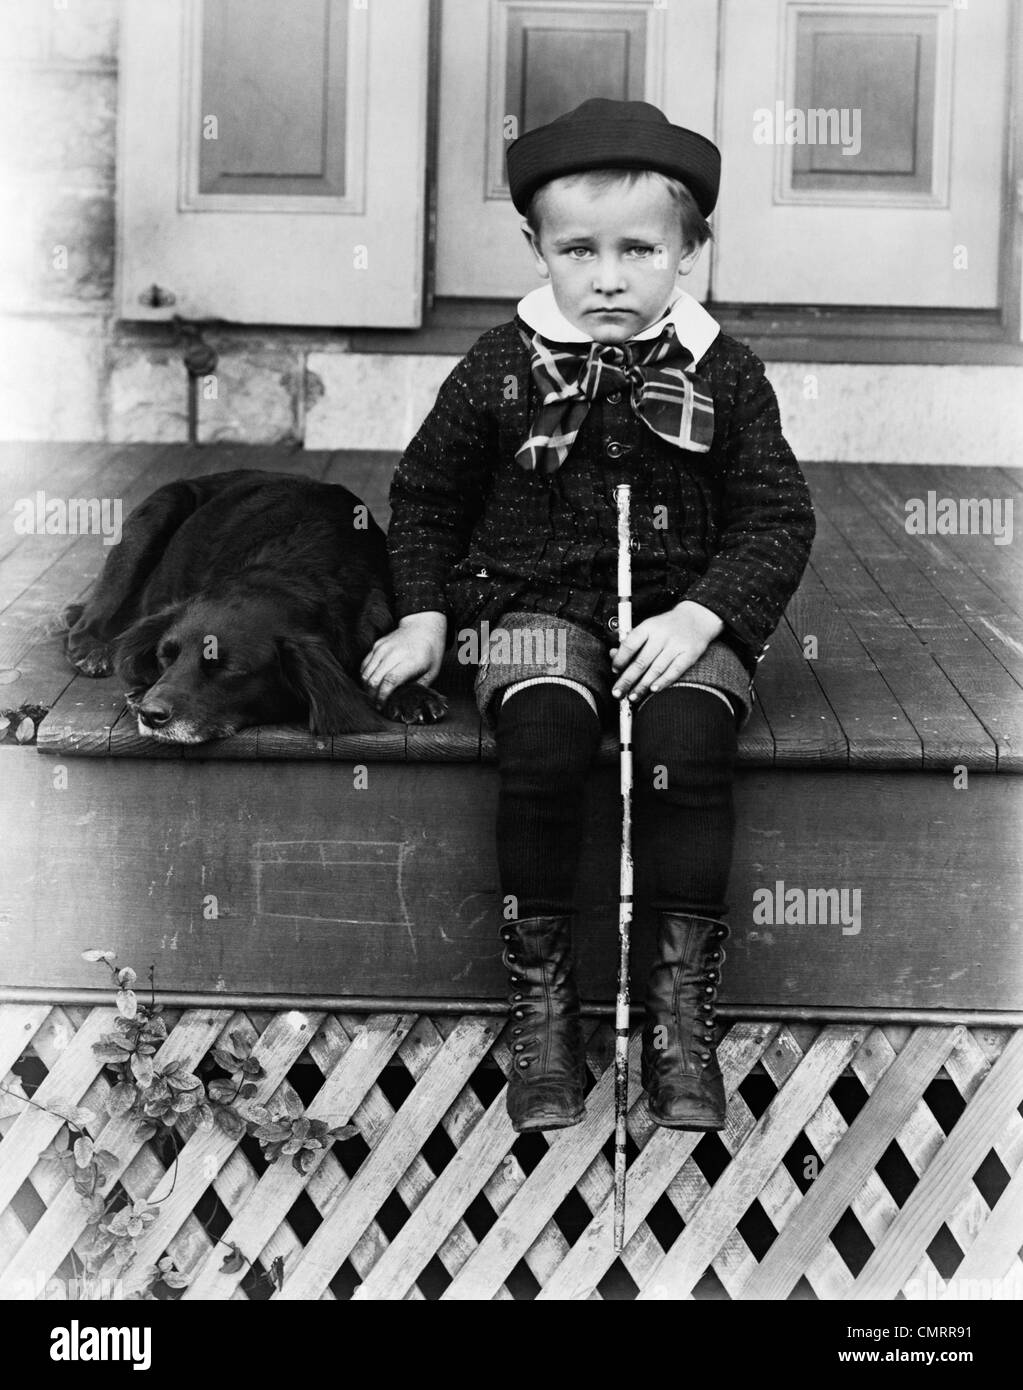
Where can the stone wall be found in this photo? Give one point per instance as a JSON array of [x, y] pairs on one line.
[[69, 369]]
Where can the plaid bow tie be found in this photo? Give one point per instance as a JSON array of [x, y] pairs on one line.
[[666, 395]]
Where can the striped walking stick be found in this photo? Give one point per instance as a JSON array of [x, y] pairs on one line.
[[622, 497]]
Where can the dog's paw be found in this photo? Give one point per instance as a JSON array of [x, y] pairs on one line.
[[415, 704], [65, 620], [94, 663]]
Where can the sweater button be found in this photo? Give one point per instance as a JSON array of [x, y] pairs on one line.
[[614, 397], [614, 450]]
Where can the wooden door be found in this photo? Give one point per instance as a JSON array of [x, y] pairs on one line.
[[892, 194], [271, 161], [509, 65]]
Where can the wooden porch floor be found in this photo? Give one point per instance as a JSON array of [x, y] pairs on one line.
[[850, 780], [919, 638]]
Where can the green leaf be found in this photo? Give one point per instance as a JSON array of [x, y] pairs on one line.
[[83, 1152], [82, 1117], [145, 1132], [126, 976], [230, 1122], [250, 1067], [277, 1272], [95, 1206], [93, 956], [122, 1097], [118, 1221], [142, 1069], [110, 1052], [101, 1241], [84, 1180], [127, 1003], [273, 1133], [185, 1081], [248, 1090], [107, 1163], [124, 1253], [225, 1059], [233, 1261], [344, 1132], [242, 1046]]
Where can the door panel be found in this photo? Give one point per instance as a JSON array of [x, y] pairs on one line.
[[508, 66], [282, 108], [863, 151], [271, 160]]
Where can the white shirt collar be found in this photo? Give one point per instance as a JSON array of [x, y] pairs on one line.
[[695, 328]]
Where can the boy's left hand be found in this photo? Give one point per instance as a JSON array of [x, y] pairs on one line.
[[660, 650]]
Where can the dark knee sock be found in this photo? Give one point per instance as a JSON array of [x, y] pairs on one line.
[[547, 736], [685, 821]]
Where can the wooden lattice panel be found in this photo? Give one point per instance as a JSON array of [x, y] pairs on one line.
[[857, 1162]]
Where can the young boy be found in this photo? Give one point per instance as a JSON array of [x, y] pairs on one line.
[[503, 510]]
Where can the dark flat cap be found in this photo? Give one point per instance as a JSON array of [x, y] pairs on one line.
[[604, 134]]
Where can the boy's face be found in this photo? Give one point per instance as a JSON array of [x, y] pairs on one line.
[[612, 255]]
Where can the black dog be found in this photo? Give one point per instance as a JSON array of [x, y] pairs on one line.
[[245, 598]]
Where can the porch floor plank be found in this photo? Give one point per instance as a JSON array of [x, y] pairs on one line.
[[920, 638]]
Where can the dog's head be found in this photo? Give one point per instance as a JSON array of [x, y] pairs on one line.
[[206, 668]]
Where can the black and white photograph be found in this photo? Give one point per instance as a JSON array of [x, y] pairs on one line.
[[511, 670]]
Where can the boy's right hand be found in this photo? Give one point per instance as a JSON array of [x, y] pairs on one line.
[[412, 652]]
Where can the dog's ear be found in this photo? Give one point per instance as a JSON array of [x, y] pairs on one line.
[[336, 703], [135, 648]]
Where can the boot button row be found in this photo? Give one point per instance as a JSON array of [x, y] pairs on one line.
[[523, 1062]]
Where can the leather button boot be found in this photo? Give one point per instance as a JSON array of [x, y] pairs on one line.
[[545, 1088], [680, 1067]]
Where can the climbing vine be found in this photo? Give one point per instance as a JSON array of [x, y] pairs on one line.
[[166, 1104]]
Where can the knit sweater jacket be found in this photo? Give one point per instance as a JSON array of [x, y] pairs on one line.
[[473, 535]]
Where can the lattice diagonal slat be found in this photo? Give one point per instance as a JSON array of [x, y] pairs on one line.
[[915, 1137]]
